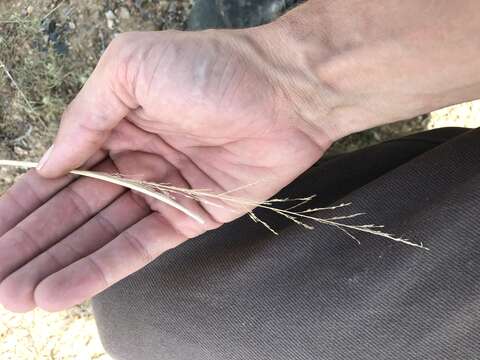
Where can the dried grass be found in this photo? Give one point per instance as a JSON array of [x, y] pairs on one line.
[[166, 193]]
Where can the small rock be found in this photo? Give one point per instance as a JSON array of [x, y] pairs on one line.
[[110, 19], [110, 15], [110, 24], [123, 13], [19, 151]]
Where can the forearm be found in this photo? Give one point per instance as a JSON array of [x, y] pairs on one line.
[[372, 62]]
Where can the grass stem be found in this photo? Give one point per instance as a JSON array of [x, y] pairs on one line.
[[165, 192]]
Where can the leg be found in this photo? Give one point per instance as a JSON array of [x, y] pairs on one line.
[[243, 293]]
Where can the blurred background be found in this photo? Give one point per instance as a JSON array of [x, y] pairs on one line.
[[48, 48]]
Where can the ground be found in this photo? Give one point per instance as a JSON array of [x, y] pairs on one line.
[[47, 50]]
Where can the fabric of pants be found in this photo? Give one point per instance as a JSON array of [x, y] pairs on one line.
[[241, 292]]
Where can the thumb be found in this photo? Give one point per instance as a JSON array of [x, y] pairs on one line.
[[89, 119]]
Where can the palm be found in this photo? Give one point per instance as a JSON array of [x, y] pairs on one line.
[[222, 126], [215, 128]]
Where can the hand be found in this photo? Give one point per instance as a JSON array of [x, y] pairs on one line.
[[209, 110]]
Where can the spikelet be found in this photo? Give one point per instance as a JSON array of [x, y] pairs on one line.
[[166, 193]]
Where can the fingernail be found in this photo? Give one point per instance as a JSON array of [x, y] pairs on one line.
[[44, 159]]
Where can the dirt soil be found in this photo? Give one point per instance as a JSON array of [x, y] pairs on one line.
[[47, 50]]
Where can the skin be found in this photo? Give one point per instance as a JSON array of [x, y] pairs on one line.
[[218, 110]]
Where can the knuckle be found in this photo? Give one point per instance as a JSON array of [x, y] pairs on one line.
[[124, 58], [122, 39], [119, 51]]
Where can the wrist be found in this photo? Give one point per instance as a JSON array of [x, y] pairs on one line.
[[363, 64], [291, 64]]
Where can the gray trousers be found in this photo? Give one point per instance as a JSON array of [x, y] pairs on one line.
[[243, 293]]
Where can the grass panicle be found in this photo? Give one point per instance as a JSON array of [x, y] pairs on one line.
[[167, 194]]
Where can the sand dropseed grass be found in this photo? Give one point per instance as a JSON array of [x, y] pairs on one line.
[[167, 193]]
